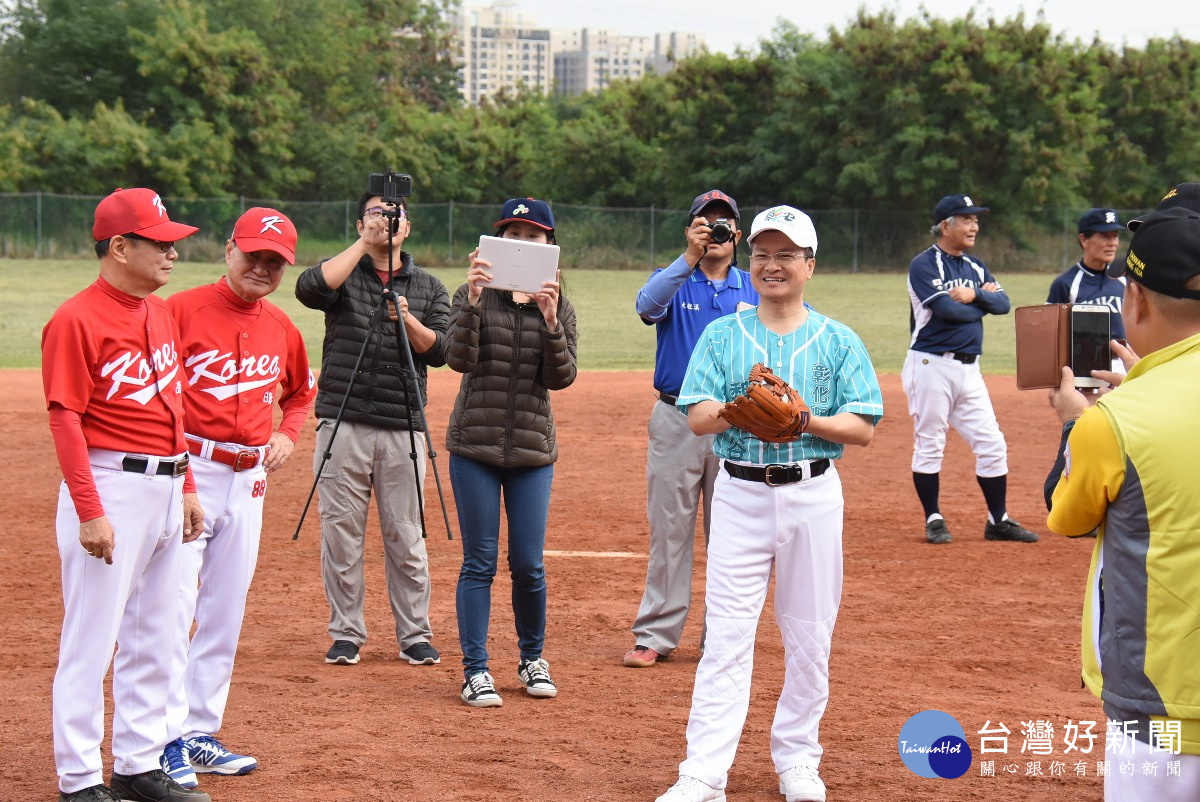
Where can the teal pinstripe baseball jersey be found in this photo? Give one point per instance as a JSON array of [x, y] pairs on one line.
[[822, 359]]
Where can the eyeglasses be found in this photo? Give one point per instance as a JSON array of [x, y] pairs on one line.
[[784, 259], [164, 247], [376, 212]]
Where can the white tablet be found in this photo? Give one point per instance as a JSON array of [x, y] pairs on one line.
[[518, 264]]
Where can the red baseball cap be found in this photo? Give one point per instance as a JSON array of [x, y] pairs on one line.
[[137, 211], [264, 229]]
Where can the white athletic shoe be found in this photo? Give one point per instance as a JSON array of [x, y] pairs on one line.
[[535, 676], [479, 690], [207, 754], [689, 789], [801, 784]]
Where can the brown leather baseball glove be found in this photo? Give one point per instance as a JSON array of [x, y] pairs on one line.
[[770, 409]]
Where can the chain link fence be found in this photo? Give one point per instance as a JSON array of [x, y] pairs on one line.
[[55, 226]]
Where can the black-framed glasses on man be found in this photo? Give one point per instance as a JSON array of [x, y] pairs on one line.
[[376, 212], [164, 247]]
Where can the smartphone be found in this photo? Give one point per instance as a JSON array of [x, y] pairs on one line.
[[1090, 333], [389, 186]]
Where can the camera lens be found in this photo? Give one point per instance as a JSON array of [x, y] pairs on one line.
[[720, 232]]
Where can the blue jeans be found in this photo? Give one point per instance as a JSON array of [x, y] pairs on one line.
[[477, 490]]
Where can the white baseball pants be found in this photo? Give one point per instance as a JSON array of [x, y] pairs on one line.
[[131, 602], [797, 530], [215, 574], [944, 392]]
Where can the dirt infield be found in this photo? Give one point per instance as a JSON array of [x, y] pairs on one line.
[[983, 631]]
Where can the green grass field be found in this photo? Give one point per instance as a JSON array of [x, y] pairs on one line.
[[611, 337]]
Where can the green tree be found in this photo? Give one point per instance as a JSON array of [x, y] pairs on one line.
[[995, 109], [72, 53], [1151, 101], [223, 84]]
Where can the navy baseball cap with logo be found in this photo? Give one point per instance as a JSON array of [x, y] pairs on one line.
[[526, 210], [1185, 195], [1099, 220], [713, 196], [952, 205], [1164, 253]]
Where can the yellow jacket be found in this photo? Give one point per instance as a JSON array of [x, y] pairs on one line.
[[1133, 468]]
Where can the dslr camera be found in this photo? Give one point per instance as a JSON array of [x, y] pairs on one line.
[[390, 186], [720, 231]]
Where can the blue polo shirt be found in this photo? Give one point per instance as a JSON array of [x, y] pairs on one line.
[[1081, 285], [681, 301]]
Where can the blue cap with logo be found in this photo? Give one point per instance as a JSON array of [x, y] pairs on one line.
[[951, 205], [1095, 220], [526, 210]]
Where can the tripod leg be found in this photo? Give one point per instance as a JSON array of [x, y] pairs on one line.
[[414, 420], [417, 416], [376, 317]]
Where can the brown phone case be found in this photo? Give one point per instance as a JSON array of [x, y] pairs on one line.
[[1043, 344]]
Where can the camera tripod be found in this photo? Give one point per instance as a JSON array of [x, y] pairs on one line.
[[408, 372]]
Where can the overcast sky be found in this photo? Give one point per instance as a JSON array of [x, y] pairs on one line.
[[729, 23]]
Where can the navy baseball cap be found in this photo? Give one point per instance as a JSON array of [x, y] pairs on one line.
[[1185, 195], [1164, 253], [955, 204], [526, 210], [1094, 220], [713, 196]]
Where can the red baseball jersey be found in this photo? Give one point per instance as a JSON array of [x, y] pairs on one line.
[[237, 359], [114, 360]]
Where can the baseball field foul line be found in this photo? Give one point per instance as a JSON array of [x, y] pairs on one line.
[[549, 553]]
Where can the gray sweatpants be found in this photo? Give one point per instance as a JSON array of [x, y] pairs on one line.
[[367, 458], [680, 472]]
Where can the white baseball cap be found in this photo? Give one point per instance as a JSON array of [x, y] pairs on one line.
[[792, 223]]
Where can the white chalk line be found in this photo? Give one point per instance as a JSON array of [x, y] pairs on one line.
[[603, 554]]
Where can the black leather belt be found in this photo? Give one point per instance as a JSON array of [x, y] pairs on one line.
[[667, 398], [775, 475], [966, 359], [166, 467]]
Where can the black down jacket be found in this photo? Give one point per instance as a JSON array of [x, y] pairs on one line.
[[510, 362], [378, 395]]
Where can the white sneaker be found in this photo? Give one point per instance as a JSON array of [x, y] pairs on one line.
[[689, 789], [535, 676], [479, 690], [801, 784]]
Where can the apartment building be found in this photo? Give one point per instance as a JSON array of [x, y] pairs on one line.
[[502, 50]]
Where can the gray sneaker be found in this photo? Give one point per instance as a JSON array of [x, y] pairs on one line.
[[937, 532], [1008, 529]]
